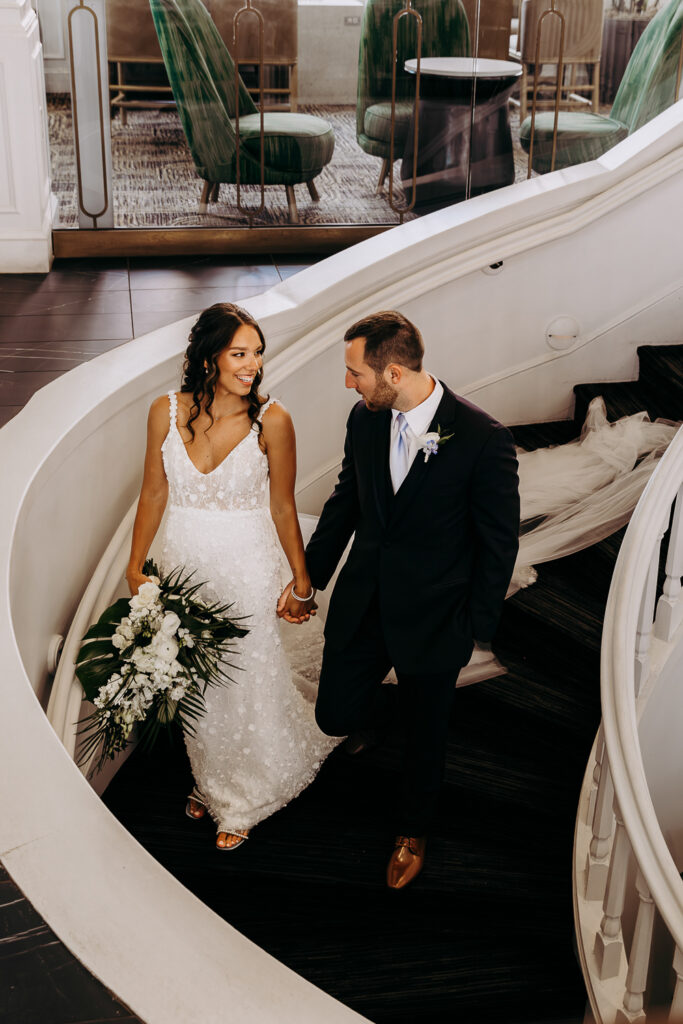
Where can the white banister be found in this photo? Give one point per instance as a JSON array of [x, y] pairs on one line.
[[670, 604], [616, 947], [597, 770], [608, 942], [597, 865], [646, 616], [639, 959], [676, 1012]]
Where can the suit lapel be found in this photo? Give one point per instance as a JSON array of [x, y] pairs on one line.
[[381, 480], [445, 414]]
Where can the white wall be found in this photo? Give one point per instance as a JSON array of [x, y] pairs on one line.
[[660, 730], [53, 32], [26, 202], [329, 36]]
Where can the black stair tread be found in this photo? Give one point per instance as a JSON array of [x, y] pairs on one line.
[[540, 435], [463, 940], [668, 355], [621, 399]]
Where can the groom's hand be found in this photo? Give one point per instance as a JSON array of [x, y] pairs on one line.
[[292, 610]]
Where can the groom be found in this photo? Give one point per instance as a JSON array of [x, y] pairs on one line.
[[428, 485]]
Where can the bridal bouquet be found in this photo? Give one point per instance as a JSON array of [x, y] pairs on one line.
[[149, 659]]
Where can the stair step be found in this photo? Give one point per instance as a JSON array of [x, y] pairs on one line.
[[540, 435], [621, 399], [661, 366], [556, 601]]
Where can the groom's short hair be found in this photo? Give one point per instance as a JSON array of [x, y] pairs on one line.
[[389, 338]]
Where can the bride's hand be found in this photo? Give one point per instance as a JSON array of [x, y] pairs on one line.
[[292, 610], [135, 579]]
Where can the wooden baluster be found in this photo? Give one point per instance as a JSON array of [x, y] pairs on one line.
[[639, 960], [670, 604], [676, 1011], [646, 616], [608, 947], [597, 768], [597, 862]]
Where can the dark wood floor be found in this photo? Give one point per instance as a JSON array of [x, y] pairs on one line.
[[50, 323]]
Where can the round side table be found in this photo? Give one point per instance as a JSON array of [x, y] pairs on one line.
[[456, 94]]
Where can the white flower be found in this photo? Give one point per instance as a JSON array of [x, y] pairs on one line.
[[429, 442], [125, 628], [164, 647], [146, 596], [119, 642], [170, 623], [142, 659]]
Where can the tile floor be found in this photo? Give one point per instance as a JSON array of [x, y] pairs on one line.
[[50, 323]]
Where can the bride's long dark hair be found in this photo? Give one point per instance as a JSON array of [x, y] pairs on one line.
[[210, 334]]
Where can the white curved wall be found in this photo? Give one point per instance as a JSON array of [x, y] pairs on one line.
[[659, 729], [599, 242]]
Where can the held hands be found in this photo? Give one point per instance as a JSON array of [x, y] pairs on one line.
[[292, 610], [135, 579]]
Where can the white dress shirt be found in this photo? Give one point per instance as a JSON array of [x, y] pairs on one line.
[[418, 420]]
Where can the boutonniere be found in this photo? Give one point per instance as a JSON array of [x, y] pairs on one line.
[[431, 442]]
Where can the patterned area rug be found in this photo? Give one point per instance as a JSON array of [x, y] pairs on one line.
[[156, 185]]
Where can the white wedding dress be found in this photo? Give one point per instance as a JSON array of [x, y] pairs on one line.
[[258, 745]]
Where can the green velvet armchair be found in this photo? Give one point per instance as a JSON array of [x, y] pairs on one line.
[[445, 33], [647, 88], [202, 75]]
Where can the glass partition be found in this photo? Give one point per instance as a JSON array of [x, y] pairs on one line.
[[342, 114]]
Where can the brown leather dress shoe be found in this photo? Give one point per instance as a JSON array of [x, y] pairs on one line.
[[360, 742], [406, 861]]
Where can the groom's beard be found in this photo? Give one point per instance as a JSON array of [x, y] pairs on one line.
[[383, 397]]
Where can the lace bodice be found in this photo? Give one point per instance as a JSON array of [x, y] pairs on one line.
[[238, 483]]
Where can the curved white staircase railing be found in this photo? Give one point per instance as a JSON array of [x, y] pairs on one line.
[[628, 891]]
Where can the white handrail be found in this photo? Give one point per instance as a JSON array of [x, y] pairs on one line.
[[618, 689]]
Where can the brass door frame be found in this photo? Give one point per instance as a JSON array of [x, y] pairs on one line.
[[72, 243], [249, 211], [551, 11], [407, 11]]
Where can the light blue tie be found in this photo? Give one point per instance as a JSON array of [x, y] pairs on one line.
[[399, 462]]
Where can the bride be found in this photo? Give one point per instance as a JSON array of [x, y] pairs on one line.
[[223, 458]]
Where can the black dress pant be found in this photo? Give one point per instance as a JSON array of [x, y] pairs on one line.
[[351, 698]]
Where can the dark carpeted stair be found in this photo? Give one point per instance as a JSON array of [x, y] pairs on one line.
[[485, 934]]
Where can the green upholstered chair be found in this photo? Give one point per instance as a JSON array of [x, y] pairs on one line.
[[647, 88], [445, 33], [202, 75]]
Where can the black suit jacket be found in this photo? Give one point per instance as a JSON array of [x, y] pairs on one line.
[[439, 553]]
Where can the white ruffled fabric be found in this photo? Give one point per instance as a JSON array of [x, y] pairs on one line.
[[574, 495]]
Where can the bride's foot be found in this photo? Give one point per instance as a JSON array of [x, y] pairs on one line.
[[195, 806], [231, 840]]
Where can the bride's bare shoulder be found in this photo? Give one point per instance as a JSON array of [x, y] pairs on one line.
[[159, 415], [274, 414], [277, 423]]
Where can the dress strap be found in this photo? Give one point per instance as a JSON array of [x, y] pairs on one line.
[[172, 409], [266, 406]]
